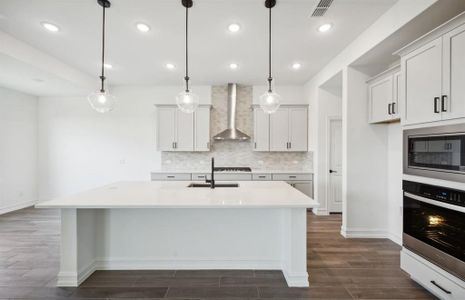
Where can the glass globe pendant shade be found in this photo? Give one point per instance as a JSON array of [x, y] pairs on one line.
[[102, 102], [270, 102], [187, 102]]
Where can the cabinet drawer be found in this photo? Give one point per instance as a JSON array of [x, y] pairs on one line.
[[171, 176], [293, 177], [430, 277], [200, 176], [264, 177], [233, 177]]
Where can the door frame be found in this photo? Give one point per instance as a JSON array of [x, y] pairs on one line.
[[330, 119]]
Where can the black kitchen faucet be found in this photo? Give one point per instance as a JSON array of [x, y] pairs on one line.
[[212, 177]]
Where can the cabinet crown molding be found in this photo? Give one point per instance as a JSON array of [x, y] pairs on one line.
[[387, 72], [432, 35]]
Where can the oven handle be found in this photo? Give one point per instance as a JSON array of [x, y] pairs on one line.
[[437, 203]]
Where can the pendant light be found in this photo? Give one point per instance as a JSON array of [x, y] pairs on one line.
[[102, 101], [270, 101], [186, 100]]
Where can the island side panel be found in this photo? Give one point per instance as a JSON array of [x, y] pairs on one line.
[[197, 238], [294, 242], [77, 246]]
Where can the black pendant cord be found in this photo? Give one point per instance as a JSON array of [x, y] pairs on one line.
[[102, 77], [270, 78], [186, 78]]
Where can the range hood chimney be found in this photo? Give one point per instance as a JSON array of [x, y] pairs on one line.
[[231, 133]]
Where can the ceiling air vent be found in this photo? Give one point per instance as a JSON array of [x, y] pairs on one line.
[[321, 8]]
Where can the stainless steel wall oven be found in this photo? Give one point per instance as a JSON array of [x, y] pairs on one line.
[[436, 152], [434, 225]]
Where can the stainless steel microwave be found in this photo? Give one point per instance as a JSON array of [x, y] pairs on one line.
[[436, 152]]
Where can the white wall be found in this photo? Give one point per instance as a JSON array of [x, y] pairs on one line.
[[332, 108], [394, 132], [364, 155], [81, 149], [18, 150], [291, 94]]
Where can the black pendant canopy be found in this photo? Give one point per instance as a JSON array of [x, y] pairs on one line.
[[270, 3], [104, 3], [187, 3]]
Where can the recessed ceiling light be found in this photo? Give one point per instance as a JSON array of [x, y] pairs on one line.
[[143, 27], [233, 66], [296, 66], [170, 66], [50, 27], [108, 66], [234, 27], [325, 27]]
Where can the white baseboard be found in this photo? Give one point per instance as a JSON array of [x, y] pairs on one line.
[[363, 233], [70, 279], [296, 279], [11, 208], [320, 212]]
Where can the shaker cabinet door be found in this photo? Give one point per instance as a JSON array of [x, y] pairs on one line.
[[261, 130], [202, 129], [279, 130], [381, 98], [453, 97], [298, 131], [166, 128], [184, 131], [423, 80]]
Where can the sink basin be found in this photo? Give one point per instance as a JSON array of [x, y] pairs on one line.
[[218, 185]]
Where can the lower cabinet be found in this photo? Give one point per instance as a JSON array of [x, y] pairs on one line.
[[301, 181]]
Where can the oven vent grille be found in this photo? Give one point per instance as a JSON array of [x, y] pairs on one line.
[[322, 8]]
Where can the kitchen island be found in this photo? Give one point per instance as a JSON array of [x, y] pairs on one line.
[[168, 225]]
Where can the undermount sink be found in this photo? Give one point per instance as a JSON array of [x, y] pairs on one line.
[[217, 185]]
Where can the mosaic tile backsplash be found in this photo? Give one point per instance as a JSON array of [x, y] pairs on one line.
[[234, 153]]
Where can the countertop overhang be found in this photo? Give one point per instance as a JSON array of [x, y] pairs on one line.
[[157, 194]]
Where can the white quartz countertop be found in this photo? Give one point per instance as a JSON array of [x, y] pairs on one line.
[[176, 194]]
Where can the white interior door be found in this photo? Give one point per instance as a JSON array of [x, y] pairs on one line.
[[335, 166]]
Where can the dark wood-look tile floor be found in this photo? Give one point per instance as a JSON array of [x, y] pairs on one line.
[[339, 269]]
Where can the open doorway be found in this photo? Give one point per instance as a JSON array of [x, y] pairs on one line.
[[328, 171]]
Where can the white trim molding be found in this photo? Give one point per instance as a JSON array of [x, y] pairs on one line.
[[18, 206]]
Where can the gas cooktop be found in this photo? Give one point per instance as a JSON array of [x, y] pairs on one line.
[[233, 169]]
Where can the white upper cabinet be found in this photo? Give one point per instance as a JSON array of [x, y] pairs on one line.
[[453, 98], [433, 69], [202, 129], [279, 130], [261, 134], [298, 129], [423, 77], [178, 131], [166, 128], [289, 129], [383, 96], [184, 131]]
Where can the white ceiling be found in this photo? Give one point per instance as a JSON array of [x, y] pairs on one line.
[[140, 58]]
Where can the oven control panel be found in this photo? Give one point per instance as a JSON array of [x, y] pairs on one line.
[[451, 196]]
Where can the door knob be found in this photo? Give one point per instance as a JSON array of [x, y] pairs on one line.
[[332, 171]]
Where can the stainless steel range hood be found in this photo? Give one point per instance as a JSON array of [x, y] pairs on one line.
[[231, 133]]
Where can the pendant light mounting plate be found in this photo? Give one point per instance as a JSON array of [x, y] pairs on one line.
[[270, 3], [187, 3], [104, 3]]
